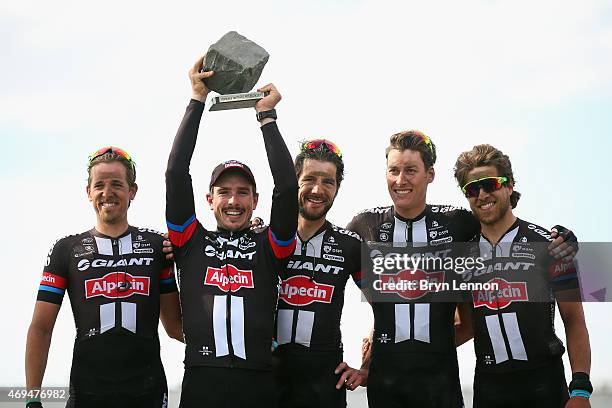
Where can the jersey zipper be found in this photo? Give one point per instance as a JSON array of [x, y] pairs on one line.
[[499, 312], [228, 306]]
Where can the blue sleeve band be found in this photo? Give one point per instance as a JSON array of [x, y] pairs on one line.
[[51, 289], [167, 281], [181, 228], [279, 242]]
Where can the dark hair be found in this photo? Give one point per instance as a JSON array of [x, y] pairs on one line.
[[321, 153], [486, 155], [110, 157], [414, 140]]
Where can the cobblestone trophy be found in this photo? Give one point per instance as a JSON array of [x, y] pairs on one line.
[[238, 63]]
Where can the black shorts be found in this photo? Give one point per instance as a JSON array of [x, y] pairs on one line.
[[220, 387], [141, 387], [414, 380], [155, 398], [305, 379], [542, 387]]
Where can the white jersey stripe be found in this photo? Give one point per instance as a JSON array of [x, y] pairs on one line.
[[284, 324], [125, 245], [128, 316], [238, 327], [107, 317], [399, 233], [402, 322], [219, 328], [517, 348], [421, 322], [497, 339], [105, 246], [303, 331], [419, 233]]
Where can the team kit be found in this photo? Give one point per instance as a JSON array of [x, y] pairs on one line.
[[258, 306]]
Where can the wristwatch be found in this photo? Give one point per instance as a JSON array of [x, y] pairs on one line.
[[266, 114]]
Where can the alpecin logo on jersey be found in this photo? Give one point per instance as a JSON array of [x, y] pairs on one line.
[[117, 285], [501, 298], [229, 278], [300, 290], [410, 284]]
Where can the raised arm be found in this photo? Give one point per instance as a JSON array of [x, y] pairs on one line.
[[284, 213], [180, 207]]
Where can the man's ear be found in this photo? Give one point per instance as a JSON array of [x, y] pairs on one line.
[[133, 191], [255, 200], [431, 174], [209, 199]]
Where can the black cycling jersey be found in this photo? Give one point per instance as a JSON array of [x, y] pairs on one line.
[[114, 286], [312, 289], [514, 323], [229, 280], [413, 325]]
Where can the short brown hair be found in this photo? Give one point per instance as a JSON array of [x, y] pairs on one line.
[[486, 155], [414, 140], [110, 157]]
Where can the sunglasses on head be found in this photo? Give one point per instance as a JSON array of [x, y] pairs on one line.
[[427, 141], [488, 184], [315, 144], [111, 149]]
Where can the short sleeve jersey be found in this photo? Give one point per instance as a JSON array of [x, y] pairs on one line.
[[514, 321], [413, 325], [114, 286], [312, 288]]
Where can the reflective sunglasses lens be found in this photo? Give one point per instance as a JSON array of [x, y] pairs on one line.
[[489, 185], [472, 189]]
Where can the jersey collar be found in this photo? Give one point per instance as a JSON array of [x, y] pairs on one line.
[[409, 220]]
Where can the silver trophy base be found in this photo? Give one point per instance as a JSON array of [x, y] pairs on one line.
[[236, 101]]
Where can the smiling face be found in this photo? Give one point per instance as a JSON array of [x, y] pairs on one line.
[[110, 193], [232, 201], [317, 188], [407, 180], [492, 207]]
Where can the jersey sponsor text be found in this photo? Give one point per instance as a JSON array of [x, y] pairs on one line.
[[300, 290], [117, 285]]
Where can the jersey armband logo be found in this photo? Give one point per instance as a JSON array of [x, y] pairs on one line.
[[562, 270]]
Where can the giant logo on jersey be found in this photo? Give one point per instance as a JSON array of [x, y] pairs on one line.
[[229, 278], [85, 264], [503, 296], [410, 284], [117, 285], [300, 290]]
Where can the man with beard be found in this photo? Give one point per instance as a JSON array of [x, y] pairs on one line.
[[518, 354], [309, 344], [413, 359]]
